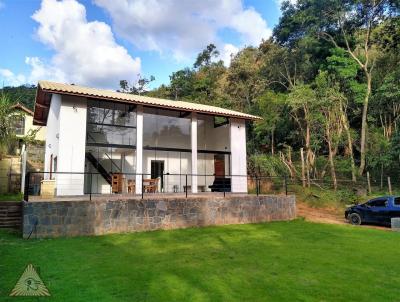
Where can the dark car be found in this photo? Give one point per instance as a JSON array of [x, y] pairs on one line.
[[375, 211]]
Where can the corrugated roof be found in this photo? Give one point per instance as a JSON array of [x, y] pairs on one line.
[[46, 87]]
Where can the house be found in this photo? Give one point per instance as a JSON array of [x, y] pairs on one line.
[[24, 125], [100, 138]]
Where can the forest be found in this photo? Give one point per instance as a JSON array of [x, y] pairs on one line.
[[327, 85]]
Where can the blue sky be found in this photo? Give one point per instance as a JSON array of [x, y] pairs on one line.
[[98, 42]]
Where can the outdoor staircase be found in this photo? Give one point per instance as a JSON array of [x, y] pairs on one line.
[[103, 172], [11, 214]]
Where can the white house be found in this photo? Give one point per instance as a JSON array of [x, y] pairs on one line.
[[100, 134]]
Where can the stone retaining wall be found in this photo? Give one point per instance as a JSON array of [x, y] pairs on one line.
[[75, 218]]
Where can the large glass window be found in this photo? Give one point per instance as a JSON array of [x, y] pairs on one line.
[[167, 148], [111, 123], [212, 133], [166, 129], [110, 146], [19, 125], [170, 168]]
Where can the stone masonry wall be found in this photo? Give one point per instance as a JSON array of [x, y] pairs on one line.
[[75, 218]]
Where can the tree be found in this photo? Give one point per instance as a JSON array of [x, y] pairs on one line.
[[7, 122], [270, 106], [331, 101], [243, 82], [304, 110], [140, 87], [25, 94], [345, 24], [205, 57], [181, 83]]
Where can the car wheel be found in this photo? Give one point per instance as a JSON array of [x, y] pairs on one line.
[[355, 219]]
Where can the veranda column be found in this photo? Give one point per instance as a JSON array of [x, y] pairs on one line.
[[139, 148], [238, 155], [194, 151]]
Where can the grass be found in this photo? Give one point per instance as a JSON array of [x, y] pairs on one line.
[[11, 197], [320, 197], [280, 261]]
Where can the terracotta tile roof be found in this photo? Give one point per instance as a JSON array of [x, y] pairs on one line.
[[46, 88], [22, 107]]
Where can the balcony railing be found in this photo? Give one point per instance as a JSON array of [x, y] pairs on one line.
[[89, 185]]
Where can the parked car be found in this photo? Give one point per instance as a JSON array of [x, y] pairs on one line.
[[375, 211]]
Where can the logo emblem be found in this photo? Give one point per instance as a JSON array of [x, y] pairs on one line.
[[30, 284]]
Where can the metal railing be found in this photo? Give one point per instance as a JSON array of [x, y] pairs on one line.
[[90, 184]]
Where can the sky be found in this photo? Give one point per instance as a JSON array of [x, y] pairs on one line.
[[97, 43]]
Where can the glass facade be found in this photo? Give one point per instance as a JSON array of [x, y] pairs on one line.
[[166, 129], [111, 148], [110, 144]]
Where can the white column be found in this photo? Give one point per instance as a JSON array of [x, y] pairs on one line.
[[139, 148], [238, 155], [71, 146], [194, 151]]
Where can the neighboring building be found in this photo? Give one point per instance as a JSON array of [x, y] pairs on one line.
[[110, 133], [24, 124]]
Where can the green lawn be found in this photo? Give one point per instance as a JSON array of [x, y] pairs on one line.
[[11, 197], [280, 261]]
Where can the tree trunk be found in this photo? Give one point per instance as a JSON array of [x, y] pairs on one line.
[[349, 144], [331, 162], [364, 124], [303, 176], [308, 155]]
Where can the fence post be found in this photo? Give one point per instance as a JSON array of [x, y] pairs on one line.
[[286, 185], [257, 186], [186, 185], [142, 187], [368, 183], [26, 189], [224, 187], [90, 187]]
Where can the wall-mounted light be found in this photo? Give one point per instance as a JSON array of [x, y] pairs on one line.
[[57, 135], [75, 108], [49, 145]]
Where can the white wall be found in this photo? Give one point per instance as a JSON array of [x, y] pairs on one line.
[[72, 141], [238, 155], [53, 126]]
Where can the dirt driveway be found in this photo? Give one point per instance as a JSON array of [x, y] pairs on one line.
[[326, 215]]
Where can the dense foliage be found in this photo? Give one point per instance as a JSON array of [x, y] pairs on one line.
[[24, 94], [326, 84]]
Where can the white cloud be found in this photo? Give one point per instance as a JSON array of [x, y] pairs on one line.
[[85, 52], [8, 78], [183, 28], [227, 52]]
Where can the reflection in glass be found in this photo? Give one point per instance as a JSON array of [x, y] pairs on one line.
[[166, 129]]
